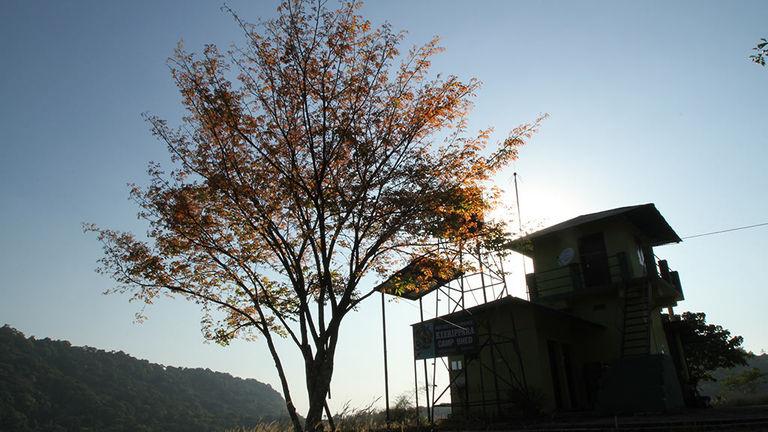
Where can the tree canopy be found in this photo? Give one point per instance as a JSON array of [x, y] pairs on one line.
[[312, 155], [708, 347], [761, 52]]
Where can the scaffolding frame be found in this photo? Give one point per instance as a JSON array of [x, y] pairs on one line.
[[489, 277]]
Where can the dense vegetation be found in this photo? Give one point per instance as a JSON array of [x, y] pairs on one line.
[[740, 385], [48, 385], [708, 347]]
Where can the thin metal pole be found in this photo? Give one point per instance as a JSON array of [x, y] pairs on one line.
[[386, 368], [434, 360], [520, 228], [416, 390], [503, 275], [461, 279], [482, 381], [466, 386], [493, 369], [482, 272], [426, 373], [516, 346], [517, 201]]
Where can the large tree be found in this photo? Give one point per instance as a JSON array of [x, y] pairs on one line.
[[311, 156], [708, 347]]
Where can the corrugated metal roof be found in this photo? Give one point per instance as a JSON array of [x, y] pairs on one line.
[[510, 301], [440, 273], [644, 216]]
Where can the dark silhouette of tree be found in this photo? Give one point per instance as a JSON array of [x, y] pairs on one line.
[[708, 347], [761, 52], [48, 385], [310, 157]]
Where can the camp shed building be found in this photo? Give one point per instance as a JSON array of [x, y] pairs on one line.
[[592, 336]]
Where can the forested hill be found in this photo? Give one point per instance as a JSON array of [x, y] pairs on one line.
[[720, 388], [48, 385]]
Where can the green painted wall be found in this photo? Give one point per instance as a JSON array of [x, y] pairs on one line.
[[534, 330], [606, 309], [620, 236]]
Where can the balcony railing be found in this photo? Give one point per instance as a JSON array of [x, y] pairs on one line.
[[570, 280]]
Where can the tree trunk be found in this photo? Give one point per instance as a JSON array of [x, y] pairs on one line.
[[319, 372], [284, 383]]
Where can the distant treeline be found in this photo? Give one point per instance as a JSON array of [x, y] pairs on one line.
[[740, 385], [48, 385]]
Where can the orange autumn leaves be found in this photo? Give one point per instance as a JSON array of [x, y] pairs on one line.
[[310, 156]]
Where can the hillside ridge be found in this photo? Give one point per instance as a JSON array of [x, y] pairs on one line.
[[52, 385]]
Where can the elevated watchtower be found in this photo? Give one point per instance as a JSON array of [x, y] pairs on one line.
[[590, 338], [602, 267]]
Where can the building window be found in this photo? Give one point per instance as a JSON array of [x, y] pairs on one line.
[[456, 365]]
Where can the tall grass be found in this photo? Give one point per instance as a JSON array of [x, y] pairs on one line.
[[403, 417]]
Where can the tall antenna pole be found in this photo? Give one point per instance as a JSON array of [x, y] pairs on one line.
[[520, 227]]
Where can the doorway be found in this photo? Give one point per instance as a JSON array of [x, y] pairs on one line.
[[594, 260]]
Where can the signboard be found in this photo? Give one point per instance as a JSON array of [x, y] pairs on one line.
[[442, 338], [424, 341]]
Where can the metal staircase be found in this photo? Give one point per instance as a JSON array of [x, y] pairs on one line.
[[637, 326]]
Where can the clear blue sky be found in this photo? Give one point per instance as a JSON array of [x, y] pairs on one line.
[[649, 102]]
